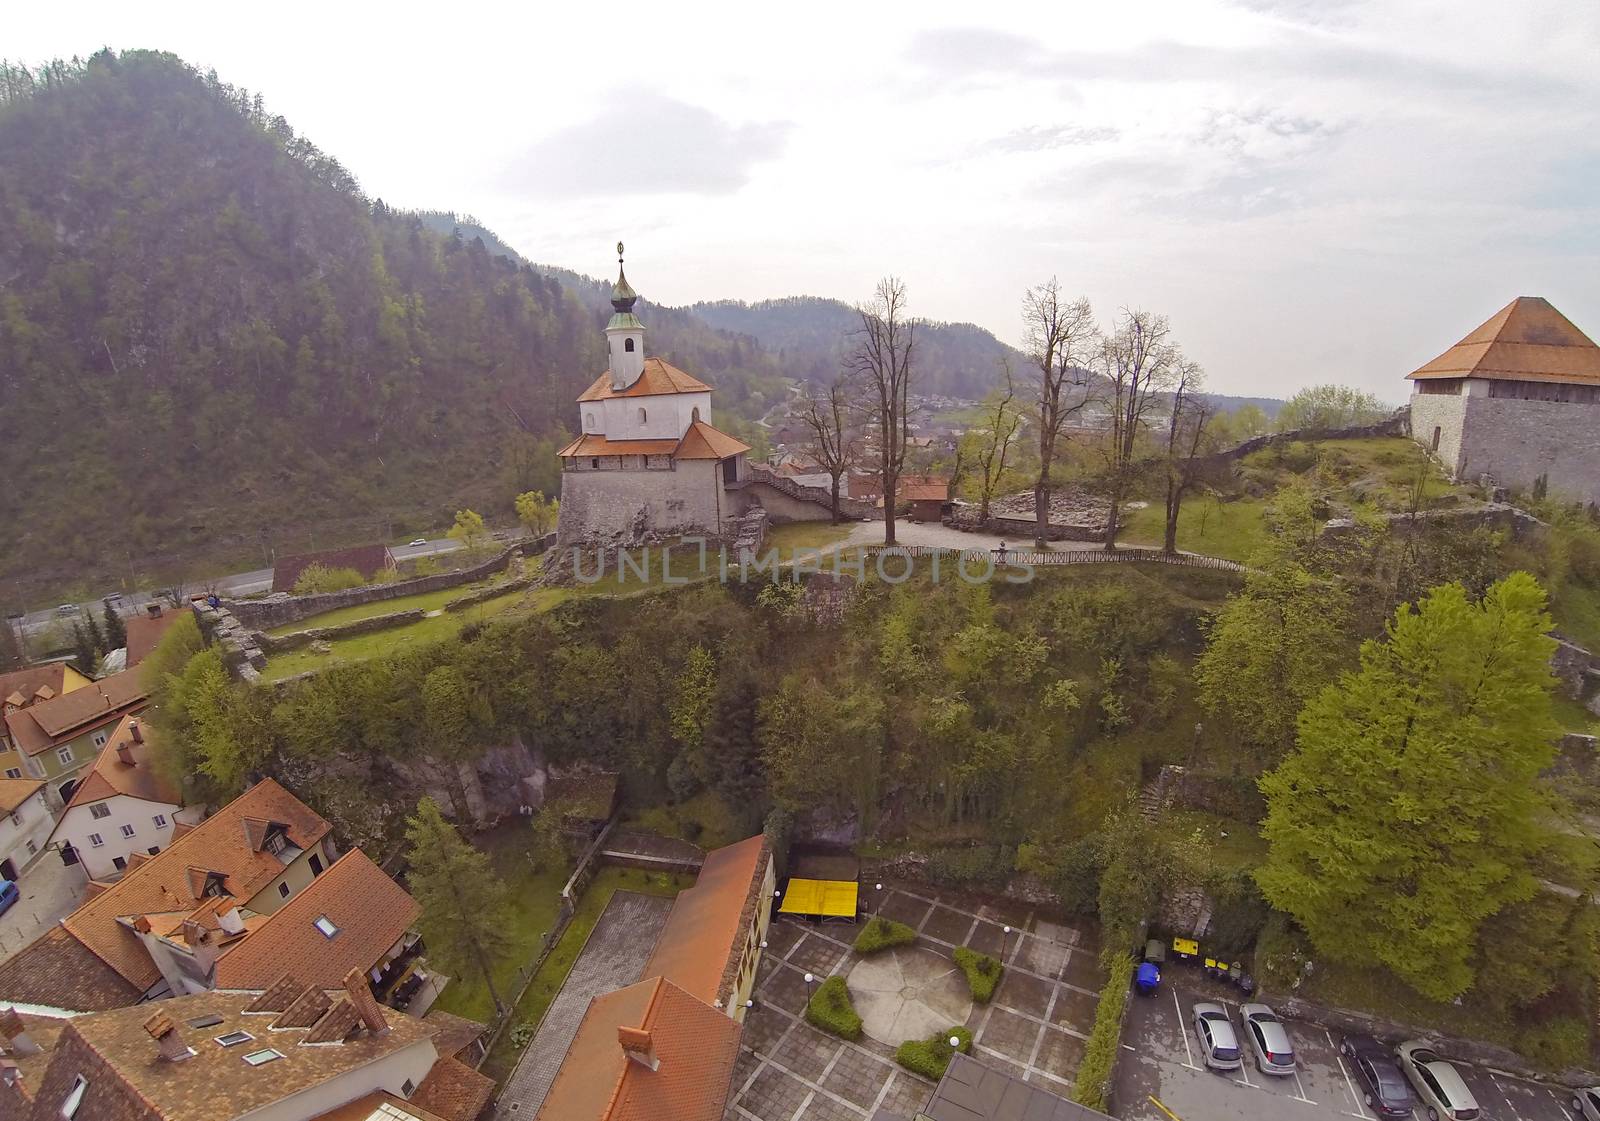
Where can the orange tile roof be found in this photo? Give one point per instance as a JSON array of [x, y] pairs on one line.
[[110, 776], [15, 791], [58, 971], [40, 725], [370, 910], [707, 920], [365, 1108], [26, 682], [695, 1047], [145, 631], [454, 1091], [1527, 340], [926, 492], [589, 445], [453, 1034], [173, 880], [658, 379], [701, 441]]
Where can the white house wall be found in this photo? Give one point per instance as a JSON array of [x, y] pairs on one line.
[[79, 823], [667, 416], [34, 825]]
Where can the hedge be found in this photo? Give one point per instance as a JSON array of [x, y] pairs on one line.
[[881, 933], [929, 1057], [1093, 1079], [983, 972], [830, 1009]]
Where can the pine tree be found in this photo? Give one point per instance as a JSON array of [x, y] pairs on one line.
[[465, 912], [83, 655], [92, 629], [1409, 813], [116, 632]]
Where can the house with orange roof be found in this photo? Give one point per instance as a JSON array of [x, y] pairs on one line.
[[24, 824], [122, 805], [665, 1047], [160, 928], [289, 1051], [58, 736], [24, 687], [1515, 403]]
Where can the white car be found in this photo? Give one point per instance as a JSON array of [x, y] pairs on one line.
[[1586, 1103], [1444, 1096], [418, 541]]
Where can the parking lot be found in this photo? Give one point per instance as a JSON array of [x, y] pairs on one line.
[[1161, 1076]]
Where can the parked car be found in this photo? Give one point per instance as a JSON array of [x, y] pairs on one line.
[[1438, 1084], [418, 541], [1385, 1087], [8, 895], [1586, 1103], [1269, 1039], [1219, 1046], [67, 609]]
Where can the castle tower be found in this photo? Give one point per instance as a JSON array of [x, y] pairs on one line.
[[624, 334]]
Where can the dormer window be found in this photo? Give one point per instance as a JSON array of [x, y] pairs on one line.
[[627, 345], [69, 1108]]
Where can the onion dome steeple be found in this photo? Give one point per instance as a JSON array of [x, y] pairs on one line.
[[624, 334]]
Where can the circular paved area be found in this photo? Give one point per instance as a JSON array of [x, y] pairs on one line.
[[908, 993]]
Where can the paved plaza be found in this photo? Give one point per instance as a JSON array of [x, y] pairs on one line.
[[1034, 1028]]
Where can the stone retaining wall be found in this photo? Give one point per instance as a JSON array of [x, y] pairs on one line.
[[280, 643]]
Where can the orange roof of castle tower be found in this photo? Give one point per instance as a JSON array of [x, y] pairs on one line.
[[1527, 340]]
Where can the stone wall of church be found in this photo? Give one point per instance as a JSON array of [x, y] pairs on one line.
[[1515, 441], [626, 507]]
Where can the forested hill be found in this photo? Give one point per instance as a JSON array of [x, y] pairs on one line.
[[809, 334], [211, 339]]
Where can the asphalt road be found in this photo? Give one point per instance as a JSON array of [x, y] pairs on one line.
[[238, 584]]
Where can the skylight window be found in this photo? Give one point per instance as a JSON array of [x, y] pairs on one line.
[[234, 1038], [325, 924], [69, 1108], [204, 1021], [262, 1057]]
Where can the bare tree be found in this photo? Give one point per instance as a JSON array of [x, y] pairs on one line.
[[834, 441], [881, 359], [1192, 414], [990, 446], [1060, 338], [1140, 363]]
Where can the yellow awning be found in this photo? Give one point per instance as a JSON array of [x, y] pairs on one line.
[[835, 898]]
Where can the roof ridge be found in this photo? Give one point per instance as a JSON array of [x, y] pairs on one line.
[[627, 1063]]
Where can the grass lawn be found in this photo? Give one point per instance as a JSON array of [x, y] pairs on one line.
[[702, 820], [534, 902], [422, 601], [1243, 847], [1232, 530], [359, 648], [547, 982], [805, 535]]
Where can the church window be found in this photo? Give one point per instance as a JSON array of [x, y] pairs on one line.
[[1437, 432], [594, 464], [642, 416], [694, 415], [627, 345]]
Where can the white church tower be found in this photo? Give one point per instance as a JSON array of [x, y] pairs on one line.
[[624, 334]]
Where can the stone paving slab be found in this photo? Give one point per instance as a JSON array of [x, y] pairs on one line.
[[612, 958]]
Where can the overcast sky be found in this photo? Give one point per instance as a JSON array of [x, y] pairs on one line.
[[1312, 190]]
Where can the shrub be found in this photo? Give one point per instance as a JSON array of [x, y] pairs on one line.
[[929, 1057], [1281, 953], [1100, 1053], [990, 865], [316, 578], [1238, 915], [983, 972], [881, 933], [1556, 1043], [830, 1009], [522, 1034]]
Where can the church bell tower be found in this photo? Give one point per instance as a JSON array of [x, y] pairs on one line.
[[624, 334]]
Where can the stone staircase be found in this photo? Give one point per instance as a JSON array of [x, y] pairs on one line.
[[821, 496]]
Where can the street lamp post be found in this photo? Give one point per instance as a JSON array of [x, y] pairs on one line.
[[810, 980], [1005, 936]]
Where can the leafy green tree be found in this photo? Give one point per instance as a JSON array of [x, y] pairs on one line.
[[315, 579], [1320, 408], [821, 746], [689, 713], [469, 530], [537, 513], [116, 632], [465, 910], [180, 642], [84, 659], [1409, 813]]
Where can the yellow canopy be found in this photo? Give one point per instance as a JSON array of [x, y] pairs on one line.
[[834, 898]]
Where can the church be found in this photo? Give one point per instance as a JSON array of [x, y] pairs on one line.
[[649, 461]]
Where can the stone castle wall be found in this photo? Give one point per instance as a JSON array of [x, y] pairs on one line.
[[1515, 441], [625, 507]]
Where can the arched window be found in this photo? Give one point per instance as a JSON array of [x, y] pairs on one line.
[[694, 415], [588, 420], [627, 345], [642, 416]]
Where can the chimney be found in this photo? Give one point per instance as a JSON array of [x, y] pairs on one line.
[[135, 731], [165, 1033], [9, 1074], [638, 1046], [125, 754], [15, 1034], [193, 933], [231, 921], [365, 1004]]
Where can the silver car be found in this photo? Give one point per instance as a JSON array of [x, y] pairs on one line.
[[1269, 1039], [1438, 1084], [1586, 1103], [1219, 1046]]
